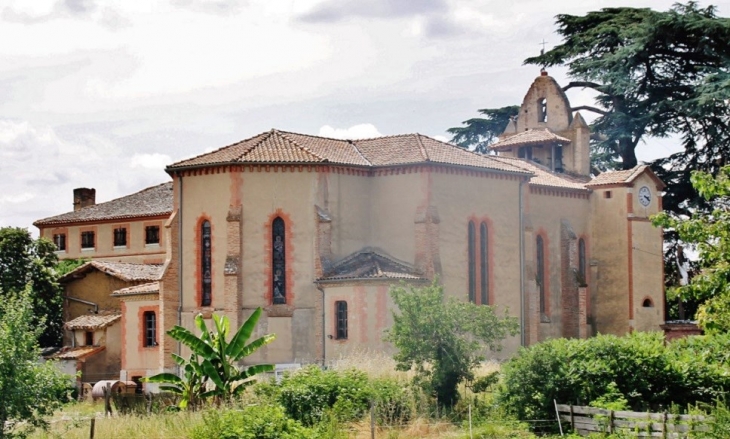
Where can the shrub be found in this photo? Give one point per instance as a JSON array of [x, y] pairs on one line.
[[639, 368], [252, 422]]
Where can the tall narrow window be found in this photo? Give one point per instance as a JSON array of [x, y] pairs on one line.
[[120, 237], [278, 261], [87, 239], [341, 316], [60, 241], [89, 338], [484, 263], [472, 263], [540, 274], [206, 264], [150, 329], [542, 110], [582, 262]]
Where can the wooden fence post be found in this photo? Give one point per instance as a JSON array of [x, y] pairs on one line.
[[372, 419], [610, 421], [664, 425], [91, 430], [572, 418]]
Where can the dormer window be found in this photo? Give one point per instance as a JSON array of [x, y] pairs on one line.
[[525, 152], [542, 110]]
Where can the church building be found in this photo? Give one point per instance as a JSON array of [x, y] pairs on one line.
[[315, 231]]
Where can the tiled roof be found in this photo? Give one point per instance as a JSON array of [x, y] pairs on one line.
[[153, 201], [367, 264], [91, 322], [77, 353], [291, 148], [530, 137], [615, 177], [150, 288], [544, 177], [122, 270]]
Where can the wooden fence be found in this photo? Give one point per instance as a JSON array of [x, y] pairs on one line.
[[587, 420]]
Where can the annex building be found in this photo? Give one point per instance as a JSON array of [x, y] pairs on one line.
[[315, 230]]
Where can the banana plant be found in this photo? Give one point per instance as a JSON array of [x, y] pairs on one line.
[[212, 369]]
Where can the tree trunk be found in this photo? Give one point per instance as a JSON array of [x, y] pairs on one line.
[[627, 149]]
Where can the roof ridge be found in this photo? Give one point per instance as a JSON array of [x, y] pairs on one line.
[[311, 135], [214, 151], [354, 146], [423, 148], [298, 145]]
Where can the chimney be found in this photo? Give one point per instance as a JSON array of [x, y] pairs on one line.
[[84, 197]]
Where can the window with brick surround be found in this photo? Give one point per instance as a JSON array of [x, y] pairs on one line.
[[87, 239], [150, 329], [60, 241], [278, 261], [341, 318], [472, 263], [120, 237], [152, 235], [484, 263], [207, 264], [540, 272]]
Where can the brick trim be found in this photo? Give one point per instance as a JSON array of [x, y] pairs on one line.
[[128, 233], [87, 229], [141, 329]]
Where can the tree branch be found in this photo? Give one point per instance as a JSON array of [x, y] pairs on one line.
[[594, 85], [593, 109]]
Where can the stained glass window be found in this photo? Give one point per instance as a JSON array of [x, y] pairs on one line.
[[206, 261], [278, 261], [341, 316], [540, 275], [472, 263], [483, 265]]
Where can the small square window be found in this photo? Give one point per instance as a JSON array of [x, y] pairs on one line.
[[60, 241], [87, 239], [152, 235], [120, 237], [607, 194], [341, 316]]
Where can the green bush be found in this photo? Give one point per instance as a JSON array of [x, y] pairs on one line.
[[252, 422], [310, 393], [638, 367]]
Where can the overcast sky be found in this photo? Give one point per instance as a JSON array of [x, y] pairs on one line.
[[104, 94]]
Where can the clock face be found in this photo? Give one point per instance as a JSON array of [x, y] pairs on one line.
[[644, 196]]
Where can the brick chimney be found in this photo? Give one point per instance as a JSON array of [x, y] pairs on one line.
[[84, 197]]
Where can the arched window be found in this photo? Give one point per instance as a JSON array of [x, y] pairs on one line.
[[582, 279], [540, 274], [484, 263], [206, 264], [542, 110], [278, 262], [472, 263], [647, 303]]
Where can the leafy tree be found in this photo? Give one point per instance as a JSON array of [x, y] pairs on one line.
[[479, 133], [213, 360], [444, 339], [68, 265], [25, 261], [30, 389], [710, 235]]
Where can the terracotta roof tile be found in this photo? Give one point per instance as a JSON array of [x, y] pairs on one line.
[[77, 353], [150, 288], [285, 147], [368, 264], [614, 177], [92, 322], [153, 201], [529, 137], [544, 177], [122, 270]]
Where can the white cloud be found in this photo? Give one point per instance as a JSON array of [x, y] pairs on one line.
[[43, 168], [150, 161], [360, 131]]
